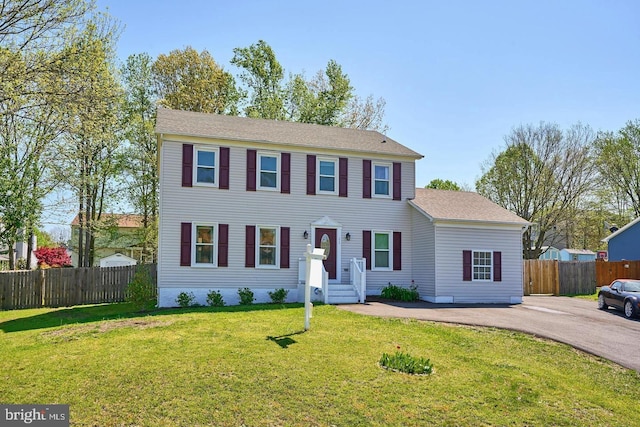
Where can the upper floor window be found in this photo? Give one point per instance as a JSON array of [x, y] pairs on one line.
[[206, 170], [327, 171], [482, 265], [268, 173], [381, 179]]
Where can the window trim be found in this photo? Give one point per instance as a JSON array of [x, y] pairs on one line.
[[259, 156], [335, 175], [389, 167], [216, 166], [473, 265], [389, 250], [194, 244], [276, 265]]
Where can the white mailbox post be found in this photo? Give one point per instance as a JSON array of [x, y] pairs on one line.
[[313, 279]]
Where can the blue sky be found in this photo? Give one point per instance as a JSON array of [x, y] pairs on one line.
[[457, 76]]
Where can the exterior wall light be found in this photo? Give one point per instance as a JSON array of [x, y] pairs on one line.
[[348, 237], [305, 234]]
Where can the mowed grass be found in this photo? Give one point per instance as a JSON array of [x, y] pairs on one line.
[[255, 366]]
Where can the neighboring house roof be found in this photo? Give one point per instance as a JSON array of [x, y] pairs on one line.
[[462, 206], [621, 230], [120, 220], [579, 251], [187, 123]]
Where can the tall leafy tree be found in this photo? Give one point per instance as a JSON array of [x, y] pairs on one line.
[[192, 81], [38, 29], [618, 160], [541, 175], [89, 153], [138, 121], [263, 76]]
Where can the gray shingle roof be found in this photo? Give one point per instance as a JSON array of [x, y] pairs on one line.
[[462, 206], [186, 123]]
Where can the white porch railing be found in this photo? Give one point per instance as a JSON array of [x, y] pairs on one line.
[[358, 277]]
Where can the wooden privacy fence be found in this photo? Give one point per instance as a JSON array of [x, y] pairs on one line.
[[58, 287], [607, 272], [574, 277]]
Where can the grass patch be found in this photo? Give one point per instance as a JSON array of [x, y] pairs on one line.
[[590, 297], [254, 365]]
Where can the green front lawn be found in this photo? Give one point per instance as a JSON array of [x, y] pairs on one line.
[[256, 367]]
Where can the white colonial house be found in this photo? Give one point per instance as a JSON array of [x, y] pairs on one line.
[[241, 198]]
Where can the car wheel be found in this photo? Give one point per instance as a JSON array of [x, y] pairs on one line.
[[601, 304], [629, 309]]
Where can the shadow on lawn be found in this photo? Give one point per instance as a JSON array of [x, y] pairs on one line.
[[97, 313], [285, 341]]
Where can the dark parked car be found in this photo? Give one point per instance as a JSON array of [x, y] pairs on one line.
[[623, 294]]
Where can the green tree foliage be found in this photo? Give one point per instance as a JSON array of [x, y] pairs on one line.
[[92, 141], [323, 99], [326, 99], [192, 81], [138, 121], [263, 76], [541, 175], [618, 161], [440, 184], [141, 291]]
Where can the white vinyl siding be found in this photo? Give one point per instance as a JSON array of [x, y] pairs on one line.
[[296, 210], [452, 240]]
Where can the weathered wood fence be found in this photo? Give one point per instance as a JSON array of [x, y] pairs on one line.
[[60, 287], [574, 277]]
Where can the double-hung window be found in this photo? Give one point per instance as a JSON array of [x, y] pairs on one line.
[[482, 265], [268, 164], [204, 246], [267, 246], [381, 250], [327, 176], [381, 180], [206, 170]]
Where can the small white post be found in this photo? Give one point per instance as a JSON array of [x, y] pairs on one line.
[[313, 277]]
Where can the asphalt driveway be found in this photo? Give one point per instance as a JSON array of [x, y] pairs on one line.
[[573, 321]]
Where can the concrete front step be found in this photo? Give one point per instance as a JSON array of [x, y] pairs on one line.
[[342, 294]]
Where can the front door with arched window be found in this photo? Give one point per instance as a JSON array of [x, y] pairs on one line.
[[326, 238]]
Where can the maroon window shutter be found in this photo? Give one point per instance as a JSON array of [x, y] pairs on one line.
[[366, 179], [397, 181], [497, 266], [343, 168], [284, 247], [397, 250], [466, 266], [187, 165], [366, 247], [185, 244], [224, 168], [252, 156], [311, 174], [223, 245], [250, 247], [285, 183]]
